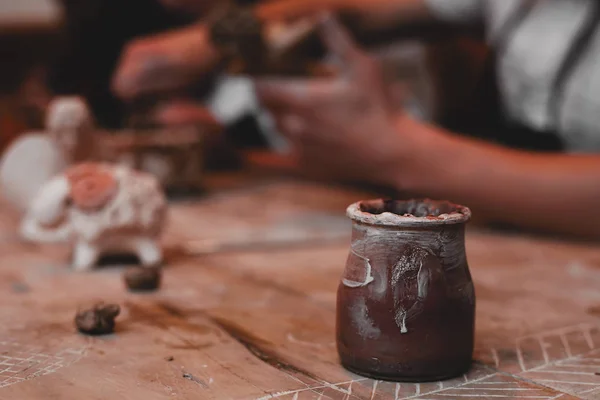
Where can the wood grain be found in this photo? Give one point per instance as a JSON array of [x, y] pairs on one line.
[[260, 324]]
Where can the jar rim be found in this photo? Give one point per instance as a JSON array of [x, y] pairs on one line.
[[401, 213]]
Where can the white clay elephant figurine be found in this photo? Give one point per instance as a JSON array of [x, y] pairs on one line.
[[102, 209]]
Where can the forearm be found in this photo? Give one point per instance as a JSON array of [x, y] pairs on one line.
[[390, 11], [549, 192]]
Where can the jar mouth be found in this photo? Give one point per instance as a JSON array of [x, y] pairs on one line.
[[406, 213]]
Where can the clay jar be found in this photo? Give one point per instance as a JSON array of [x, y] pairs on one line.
[[406, 302]]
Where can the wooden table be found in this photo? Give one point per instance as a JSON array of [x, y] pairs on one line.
[[260, 324]]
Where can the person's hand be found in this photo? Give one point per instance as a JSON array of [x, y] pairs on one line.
[[345, 126], [163, 62]]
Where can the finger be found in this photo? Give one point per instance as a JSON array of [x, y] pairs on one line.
[[280, 95], [307, 131], [144, 75], [338, 40], [302, 96]]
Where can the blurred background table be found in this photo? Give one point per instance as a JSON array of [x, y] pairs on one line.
[[259, 323]]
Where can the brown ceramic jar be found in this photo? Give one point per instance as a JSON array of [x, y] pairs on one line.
[[406, 302]]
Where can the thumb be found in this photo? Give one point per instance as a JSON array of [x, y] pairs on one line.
[[338, 40]]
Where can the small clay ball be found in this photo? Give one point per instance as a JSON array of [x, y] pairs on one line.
[[142, 278], [99, 320]]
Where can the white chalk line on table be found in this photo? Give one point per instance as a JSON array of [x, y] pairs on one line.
[[20, 362]]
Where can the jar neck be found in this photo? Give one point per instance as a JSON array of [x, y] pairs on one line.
[[446, 242]]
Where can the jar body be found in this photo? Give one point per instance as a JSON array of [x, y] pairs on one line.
[[406, 303]]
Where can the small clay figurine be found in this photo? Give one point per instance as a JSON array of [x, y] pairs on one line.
[[35, 157], [142, 279], [103, 209], [99, 320]]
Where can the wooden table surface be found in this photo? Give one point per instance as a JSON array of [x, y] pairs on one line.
[[259, 324]]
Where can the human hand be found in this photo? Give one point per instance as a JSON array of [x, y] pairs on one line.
[[344, 126], [163, 62]]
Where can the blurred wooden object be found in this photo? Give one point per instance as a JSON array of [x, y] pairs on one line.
[[174, 155], [29, 13]]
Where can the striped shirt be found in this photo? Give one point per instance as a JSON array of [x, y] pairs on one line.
[[548, 62]]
